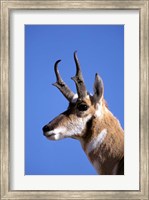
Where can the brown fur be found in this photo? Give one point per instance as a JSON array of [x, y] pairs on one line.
[[86, 117], [111, 151], [110, 154]]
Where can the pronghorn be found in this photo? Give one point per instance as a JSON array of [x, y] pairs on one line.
[[89, 120]]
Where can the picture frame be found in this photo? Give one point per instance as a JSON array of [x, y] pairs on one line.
[[6, 8]]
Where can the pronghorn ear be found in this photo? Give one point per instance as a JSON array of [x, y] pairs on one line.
[[98, 89]]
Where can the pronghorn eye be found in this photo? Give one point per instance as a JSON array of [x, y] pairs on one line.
[[82, 107]]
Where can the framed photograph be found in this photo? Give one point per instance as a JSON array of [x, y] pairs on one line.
[[99, 119]]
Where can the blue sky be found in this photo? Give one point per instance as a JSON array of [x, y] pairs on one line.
[[100, 49]]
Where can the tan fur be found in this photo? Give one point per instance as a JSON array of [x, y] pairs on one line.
[[111, 151], [89, 120]]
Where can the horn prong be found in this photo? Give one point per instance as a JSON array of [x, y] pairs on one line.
[[61, 85], [78, 79]]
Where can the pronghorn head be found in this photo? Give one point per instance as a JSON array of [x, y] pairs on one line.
[[88, 119], [82, 107]]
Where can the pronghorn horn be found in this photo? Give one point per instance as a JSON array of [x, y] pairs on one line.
[[78, 79], [61, 85]]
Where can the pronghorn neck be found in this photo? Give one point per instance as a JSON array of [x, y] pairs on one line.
[[103, 143]]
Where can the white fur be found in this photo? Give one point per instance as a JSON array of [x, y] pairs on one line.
[[56, 134], [76, 127], [98, 111], [87, 96], [96, 142], [73, 129], [75, 97]]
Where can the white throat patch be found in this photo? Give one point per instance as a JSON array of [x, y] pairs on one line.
[[72, 129], [96, 142], [77, 126]]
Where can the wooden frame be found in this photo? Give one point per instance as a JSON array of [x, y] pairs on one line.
[[6, 7]]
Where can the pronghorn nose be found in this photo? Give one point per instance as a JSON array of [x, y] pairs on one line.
[[45, 128]]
